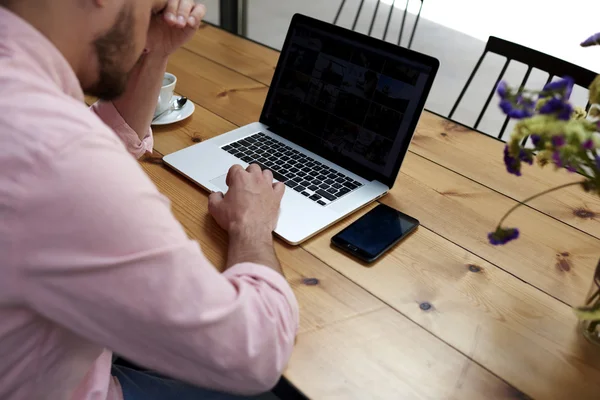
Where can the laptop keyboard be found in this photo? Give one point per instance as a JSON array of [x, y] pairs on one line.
[[315, 180]]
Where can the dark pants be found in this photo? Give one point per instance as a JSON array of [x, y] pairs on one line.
[[145, 385]]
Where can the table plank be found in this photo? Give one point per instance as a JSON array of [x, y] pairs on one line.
[[479, 158], [549, 254], [381, 355], [332, 304], [248, 58], [506, 325]]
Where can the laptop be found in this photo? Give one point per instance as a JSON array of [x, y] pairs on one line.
[[335, 127]]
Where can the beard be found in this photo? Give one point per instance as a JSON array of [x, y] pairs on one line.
[[112, 49]]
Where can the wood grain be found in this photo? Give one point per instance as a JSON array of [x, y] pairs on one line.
[[463, 211], [503, 323], [480, 158], [381, 355], [247, 58]]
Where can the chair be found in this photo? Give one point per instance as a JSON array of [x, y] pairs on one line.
[[533, 59], [389, 18]]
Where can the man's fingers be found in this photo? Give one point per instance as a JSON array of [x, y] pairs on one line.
[[171, 12], [183, 12], [236, 169], [279, 189], [197, 15], [253, 168], [214, 200], [268, 175]]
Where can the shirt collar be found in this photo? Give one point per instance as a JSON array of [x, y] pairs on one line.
[[22, 41]]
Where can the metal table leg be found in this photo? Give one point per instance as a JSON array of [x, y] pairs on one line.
[[234, 16]]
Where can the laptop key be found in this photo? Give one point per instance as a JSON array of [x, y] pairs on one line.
[[340, 180], [294, 170], [325, 194], [350, 185], [305, 194], [247, 159], [310, 178], [244, 142], [235, 144], [332, 191], [332, 175], [323, 186], [329, 181], [306, 169], [299, 188], [343, 191], [321, 202], [314, 188], [290, 183], [336, 185], [262, 160], [315, 197], [305, 183], [317, 182], [226, 148], [276, 174]]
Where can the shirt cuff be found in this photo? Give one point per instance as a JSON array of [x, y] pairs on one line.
[[109, 114], [273, 279]]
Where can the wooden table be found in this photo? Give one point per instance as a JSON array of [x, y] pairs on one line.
[[445, 315]]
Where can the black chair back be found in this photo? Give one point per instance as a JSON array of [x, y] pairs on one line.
[[389, 18], [533, 59]]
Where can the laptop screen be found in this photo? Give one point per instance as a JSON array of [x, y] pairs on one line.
[[345, 100]]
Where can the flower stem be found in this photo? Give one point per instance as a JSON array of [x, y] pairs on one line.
[[527, 200]]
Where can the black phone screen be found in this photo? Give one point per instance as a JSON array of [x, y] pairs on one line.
[[375, 232]]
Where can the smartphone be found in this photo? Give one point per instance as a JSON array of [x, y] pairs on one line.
[[375, 233]]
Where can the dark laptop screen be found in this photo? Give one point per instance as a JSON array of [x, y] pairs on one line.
[[345, 101]]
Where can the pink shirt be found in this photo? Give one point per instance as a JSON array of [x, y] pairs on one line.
[[93, 261]]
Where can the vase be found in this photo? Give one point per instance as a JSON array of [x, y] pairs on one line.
[[591, 329]]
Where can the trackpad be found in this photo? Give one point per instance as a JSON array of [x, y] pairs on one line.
[[220, 183]]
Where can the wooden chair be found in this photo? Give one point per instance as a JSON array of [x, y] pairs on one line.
[[533, 59], [389, 18]]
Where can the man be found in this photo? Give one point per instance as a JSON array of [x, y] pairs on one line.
[[91, 258]]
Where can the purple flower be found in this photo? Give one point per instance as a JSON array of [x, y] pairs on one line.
[[559, 107], [503, 236], [502, 89], [513, 166], [588, 144], [557, 159], [526, 156], [558, 141], [523, 108], [571, 168], [597, 162], [564, 85], [536, 139], [591, 41]]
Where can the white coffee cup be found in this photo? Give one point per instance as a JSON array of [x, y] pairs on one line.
[[166, 93]]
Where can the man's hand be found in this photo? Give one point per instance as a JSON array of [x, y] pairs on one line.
[[174, 26], [251, 204], [249, 212]]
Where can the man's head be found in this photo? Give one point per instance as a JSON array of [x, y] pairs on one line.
[[101, 39]]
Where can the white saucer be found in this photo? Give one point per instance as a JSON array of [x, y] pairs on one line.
[[176, 116]]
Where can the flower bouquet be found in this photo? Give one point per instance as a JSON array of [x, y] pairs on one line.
[[561, 135]]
